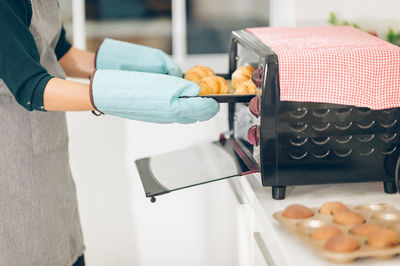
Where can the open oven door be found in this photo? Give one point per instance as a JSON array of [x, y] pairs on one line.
[[194, 166]]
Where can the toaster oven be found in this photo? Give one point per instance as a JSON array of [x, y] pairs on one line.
[[288, 143]]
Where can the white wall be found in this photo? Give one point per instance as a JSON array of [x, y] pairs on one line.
[[369, 14], [97, 159]]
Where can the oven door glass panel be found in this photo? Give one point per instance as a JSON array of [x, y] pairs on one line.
[[192, 166]]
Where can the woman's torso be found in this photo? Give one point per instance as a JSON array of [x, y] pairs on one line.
[[40, 221]]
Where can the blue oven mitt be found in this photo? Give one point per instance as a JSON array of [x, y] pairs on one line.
[[149, 97], [118, 55]]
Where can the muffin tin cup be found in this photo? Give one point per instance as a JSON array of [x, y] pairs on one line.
[[381, 214]]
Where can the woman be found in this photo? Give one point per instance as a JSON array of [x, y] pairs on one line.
[[39, 222]]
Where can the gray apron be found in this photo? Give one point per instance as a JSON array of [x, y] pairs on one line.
[[39, 220]]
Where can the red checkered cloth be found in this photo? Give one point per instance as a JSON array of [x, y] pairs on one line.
[[340, 65]]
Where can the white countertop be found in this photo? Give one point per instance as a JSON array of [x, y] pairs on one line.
[[283, 248]]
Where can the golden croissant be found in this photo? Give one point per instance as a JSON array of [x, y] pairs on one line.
[[241, 75], [247, 87], [213, 85], [196, 73]]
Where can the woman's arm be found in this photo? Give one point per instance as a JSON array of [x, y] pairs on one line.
[[78, 63], [65, 95], [26, 78]]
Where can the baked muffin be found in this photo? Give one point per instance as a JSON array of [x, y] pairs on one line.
[[213, 85], [241, 75], [247, 87], [342, 244], [196, 73], [364, 229], [330, 208], [297, 211], [348, 218], [383, 238], [325, 232]]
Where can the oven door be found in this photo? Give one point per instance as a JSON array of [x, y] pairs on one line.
[[194, 166]]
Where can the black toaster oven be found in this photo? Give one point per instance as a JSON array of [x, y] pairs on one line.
[[288, 143]]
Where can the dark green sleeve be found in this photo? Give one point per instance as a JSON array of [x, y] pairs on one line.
[[63, 45], [20, 67]]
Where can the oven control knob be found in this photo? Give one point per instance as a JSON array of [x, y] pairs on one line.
[[254, 106], [257, 77], [253, 135]]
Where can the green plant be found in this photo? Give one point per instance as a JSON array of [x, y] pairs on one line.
[[391, 36], [333, 20]]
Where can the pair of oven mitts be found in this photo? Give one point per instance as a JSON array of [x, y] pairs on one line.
[[145, 84]]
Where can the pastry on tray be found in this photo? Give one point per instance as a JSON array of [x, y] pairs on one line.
[[213, 85], [342, 244], [325, 232], [247, 87], [364, 229], [384, 238], [241, 75], [297, 211], [332, 207], [348, 218], [196, 73]]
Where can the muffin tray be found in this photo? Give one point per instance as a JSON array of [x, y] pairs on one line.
[[380, 214]]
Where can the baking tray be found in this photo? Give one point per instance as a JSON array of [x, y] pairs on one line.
[[230, 98], [380, 214], [227, 98]]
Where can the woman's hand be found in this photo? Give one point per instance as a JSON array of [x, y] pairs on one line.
[[118, 55], [150, 97], [78, 63]]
